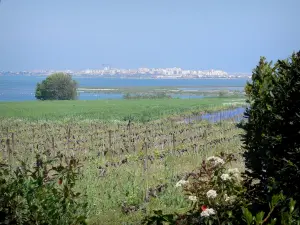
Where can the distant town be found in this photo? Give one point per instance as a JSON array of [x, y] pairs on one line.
[[154, 73]]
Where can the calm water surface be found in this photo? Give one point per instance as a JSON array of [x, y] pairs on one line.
[[22, 88], [236, 114]]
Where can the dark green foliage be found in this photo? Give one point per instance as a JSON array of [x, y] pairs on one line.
[[58, 86], [272, 133], [281, 211], [43, 194], [159, 218]]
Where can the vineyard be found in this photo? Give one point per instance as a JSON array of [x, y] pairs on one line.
[[129, 167]]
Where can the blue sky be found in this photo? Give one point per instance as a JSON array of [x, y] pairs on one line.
[[193, 34]]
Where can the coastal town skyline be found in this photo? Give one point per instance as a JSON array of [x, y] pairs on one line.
[[107, 70]]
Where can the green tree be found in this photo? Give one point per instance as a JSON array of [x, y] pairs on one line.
[[272, 132], [58, 86]]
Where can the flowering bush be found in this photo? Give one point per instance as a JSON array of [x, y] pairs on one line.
[[214, 190], [218, 196]]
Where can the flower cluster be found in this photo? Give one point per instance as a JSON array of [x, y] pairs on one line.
[[206, 212], [233, 171], [211, 194], [215, 160], [232, 174], [193, 198], [212, 188], [225, 176]]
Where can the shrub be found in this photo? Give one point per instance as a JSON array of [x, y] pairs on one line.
[[272, 133], [43, 194], [58, 86], [214, 192], [217, 196]]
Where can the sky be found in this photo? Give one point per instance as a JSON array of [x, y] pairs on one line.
[[229, 35]]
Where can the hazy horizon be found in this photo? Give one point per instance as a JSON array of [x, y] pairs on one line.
[[200, 35]]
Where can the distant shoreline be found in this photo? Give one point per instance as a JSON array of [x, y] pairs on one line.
[[135, 77], [22, 87]]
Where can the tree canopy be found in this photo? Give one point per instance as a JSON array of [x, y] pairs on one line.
[[58, 86]]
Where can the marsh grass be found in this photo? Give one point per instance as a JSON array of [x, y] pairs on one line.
[[143, 110]]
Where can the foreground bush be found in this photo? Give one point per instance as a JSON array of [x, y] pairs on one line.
[[214, 191], [218, 196], [43, 194], [272, 133]]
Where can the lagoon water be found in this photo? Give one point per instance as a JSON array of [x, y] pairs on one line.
[[236, 115], [22, 88]]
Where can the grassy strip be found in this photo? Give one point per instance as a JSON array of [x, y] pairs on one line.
[[107, 110], [179, 90]]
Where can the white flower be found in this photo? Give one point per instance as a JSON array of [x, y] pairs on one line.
[[193, 198], [226, 198], [225, 176], [211, 194], [207, 212], [181, 182], [215, 160], [211, 211], [233, 171]]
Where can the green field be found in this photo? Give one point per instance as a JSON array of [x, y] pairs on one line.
[[108, 110]]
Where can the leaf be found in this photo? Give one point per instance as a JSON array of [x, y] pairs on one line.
[[292, 205], [276, 199], [285, 218], [247, 216], [273, 222], [259, 217], [229, 213]]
